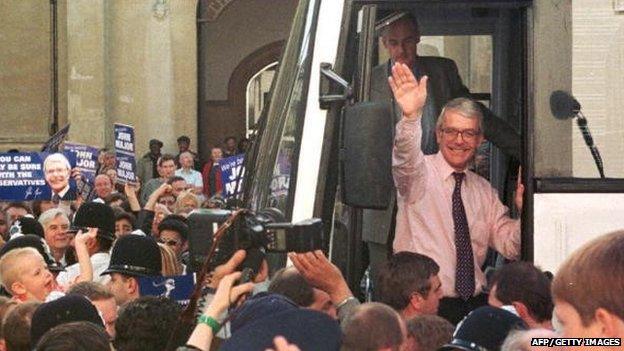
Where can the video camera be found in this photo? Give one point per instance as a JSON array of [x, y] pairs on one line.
[[265, 229]]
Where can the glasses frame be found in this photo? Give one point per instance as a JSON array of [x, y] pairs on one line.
[[466, 134]]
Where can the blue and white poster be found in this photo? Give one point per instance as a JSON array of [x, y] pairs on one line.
[[178, 288], [37, 176], [232, 174], [124, 152], [86, 159]]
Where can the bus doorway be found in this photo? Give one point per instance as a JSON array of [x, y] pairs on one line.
[[487, 41]]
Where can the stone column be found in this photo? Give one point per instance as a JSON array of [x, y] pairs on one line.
[[550, 62], [87, 71]]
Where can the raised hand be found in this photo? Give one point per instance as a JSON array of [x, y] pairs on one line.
[[230, 267], [319, 272], [409, 93], [226, 294], [82, 238]]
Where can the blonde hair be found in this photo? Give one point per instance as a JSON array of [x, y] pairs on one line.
[[170, 264], [179, 204], [10, 267]]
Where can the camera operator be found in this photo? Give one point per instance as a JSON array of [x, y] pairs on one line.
[[222, 279]]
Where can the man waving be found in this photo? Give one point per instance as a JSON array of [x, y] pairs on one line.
[[445, 211]]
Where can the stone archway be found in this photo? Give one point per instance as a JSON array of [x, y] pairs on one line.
[[221, 118]]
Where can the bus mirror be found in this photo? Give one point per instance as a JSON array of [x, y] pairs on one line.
[[366, 155], [328, 87]]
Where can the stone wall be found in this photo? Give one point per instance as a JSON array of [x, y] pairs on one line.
[[598, 84], [25, 73], [133, 62]]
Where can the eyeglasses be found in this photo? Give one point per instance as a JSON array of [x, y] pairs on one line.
[[467, 134], [168, 242], [166, 202]]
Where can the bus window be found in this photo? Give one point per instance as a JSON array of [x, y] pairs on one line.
[[277, 148], [258, 89]]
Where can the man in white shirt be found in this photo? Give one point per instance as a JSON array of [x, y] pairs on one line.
[[192, 177]]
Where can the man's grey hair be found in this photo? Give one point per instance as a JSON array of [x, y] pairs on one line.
[[187, 154], [384, 24], [49, 215], [465, 107], [57, 157]]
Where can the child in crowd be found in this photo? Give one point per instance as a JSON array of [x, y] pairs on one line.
[[25, 275]]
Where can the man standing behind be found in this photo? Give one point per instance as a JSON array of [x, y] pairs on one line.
[[147, 167], [211, 173], [445, 211], [184, 145], [103, 186], [166, 169], [192, 177], [229, 147], [55, 226]]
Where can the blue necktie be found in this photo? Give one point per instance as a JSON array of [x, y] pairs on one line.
[[464, 273]]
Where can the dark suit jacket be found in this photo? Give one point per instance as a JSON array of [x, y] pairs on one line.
[[70, 195], [444, 84]]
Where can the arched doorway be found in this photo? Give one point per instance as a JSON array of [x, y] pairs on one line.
[[221, 118], [258, 89]]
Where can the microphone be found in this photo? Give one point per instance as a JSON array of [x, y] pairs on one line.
[[563, 105], [581, 121]]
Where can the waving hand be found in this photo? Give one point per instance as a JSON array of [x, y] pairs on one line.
[[408, 92]]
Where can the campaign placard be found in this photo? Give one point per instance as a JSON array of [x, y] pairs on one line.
[[281, 174], [86, 159], [37, 176], [232, 175], [52, 145], [178, 288], [124, 152]]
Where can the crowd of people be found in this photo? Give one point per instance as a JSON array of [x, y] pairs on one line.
[[75, 285], [55, 249]]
